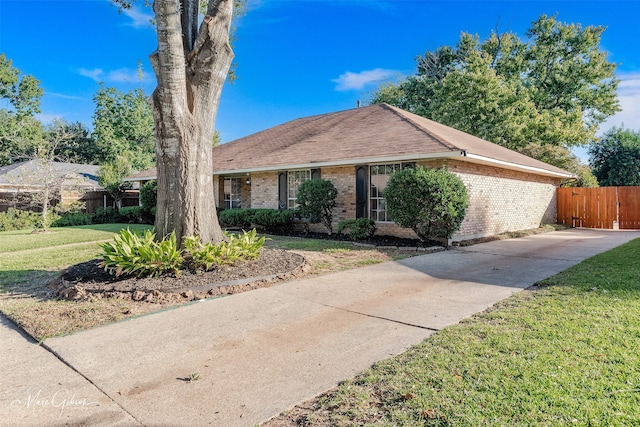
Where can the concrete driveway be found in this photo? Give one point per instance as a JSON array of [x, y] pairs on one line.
[[261, 352]]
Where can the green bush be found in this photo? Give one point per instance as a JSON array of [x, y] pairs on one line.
[[132, 214], [140, 254], [149, 195], [206, 256], [273, 219], [106, 215], [71, 219], [432, 202], [14, 219], [242, 218], [358, 229], [316, 200], [270, 219]]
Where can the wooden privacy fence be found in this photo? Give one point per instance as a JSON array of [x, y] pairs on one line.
[[603, 207]]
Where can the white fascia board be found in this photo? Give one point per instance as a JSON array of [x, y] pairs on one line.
[[516, 166]]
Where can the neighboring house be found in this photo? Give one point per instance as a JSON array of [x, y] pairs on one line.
[[71, 181], [359, 149]]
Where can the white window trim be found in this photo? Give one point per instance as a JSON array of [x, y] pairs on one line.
[[291, 201], [371, 198], [232, 196]]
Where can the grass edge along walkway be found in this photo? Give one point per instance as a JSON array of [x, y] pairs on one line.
[[564, 353]]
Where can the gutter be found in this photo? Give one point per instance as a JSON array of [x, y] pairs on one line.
[[455, 154]]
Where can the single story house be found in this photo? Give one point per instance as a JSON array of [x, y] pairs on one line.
[[359, 149], [69, 181]]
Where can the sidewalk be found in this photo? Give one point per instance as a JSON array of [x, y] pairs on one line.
[[261, 352]]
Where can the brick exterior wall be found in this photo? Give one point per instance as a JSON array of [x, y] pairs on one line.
[[499, 199], [504, 200], [264, 190]]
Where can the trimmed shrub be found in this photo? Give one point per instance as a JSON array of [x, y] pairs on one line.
[[132, 214], [358, 229], [237, 217], [270, 219], [72, 219], [140, 254], [273, 219], [317, 199], [432, 202], [106, 215]]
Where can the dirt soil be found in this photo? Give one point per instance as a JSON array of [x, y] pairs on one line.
[[271, 262]]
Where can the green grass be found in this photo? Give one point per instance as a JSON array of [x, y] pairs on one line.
[[317, 245], [567, 354], [11, 241], [27, 259]]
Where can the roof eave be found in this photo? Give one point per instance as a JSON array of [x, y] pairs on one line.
[[475, 158]]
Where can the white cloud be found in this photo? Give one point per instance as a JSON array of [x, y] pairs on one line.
[[95, 74], [65, 96], [357, 81], [139, 18], [121, 75], [629, 96]]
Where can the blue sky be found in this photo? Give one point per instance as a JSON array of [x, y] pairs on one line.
[[295, 58]]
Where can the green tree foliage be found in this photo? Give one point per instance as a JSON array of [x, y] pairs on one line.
[[111, 175], [149, 195], [76, 144], [317, 199], [432, 202], [556, 87], [123, 126], [563, 158], [615, 159], [19, 101]]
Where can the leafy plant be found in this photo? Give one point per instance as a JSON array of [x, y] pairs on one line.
[[265, 218], [14, 219], [141, 254], [206, 256], [131, 213], [317, 199], [149, 195], [358, 229], [432, 202], [71, 219], [106, 215]]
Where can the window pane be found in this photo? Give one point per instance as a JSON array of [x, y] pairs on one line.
[[379, 177]]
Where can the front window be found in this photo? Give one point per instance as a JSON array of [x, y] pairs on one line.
[[232, 193], [379, 176], [294, 179]]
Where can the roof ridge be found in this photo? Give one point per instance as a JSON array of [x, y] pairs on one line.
[[399, 112]]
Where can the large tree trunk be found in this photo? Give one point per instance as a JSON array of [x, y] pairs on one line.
[[191, 67]]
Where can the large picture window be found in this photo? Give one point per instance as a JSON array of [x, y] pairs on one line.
[[294, 179], [378, 177], [233, 193]]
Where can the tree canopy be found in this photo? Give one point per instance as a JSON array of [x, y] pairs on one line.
[[555, 87], [615, 158], [20, 96], [123, 127]]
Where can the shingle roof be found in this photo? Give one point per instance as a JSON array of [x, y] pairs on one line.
[[27, 174], [376, 133], [361, 135]]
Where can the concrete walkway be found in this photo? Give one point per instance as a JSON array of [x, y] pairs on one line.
[[261, 352]]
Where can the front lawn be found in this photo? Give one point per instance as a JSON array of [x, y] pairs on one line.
[[565, 353], [28, 262]]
